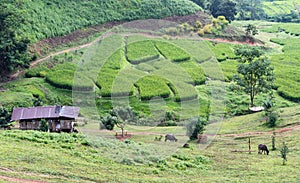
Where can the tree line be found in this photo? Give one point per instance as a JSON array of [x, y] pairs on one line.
[[244, 10]]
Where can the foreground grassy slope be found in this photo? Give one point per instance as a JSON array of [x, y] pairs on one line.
[[91, 157], [49, 18]]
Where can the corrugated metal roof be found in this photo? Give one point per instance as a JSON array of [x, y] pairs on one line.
[[44, 112], [69, 112]]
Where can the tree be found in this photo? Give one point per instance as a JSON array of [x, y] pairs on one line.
[[108, 122], [195, 127], [255, 74], [5, 116], [13, 45], [43, 125], [250, 10], [251, 30], [202, 3], [223, 8], [270, 112], [123, 116]]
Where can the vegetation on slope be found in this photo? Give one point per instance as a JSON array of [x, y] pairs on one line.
[[49, 18], [25, 22]]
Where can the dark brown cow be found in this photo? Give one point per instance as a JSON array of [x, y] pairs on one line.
[[262, 148], [170, 137]]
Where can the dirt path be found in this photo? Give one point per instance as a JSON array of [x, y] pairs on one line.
[[11, 179]]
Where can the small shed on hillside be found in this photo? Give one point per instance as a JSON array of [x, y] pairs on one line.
[[59, 118]]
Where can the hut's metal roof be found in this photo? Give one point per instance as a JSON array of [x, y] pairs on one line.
[[44, 112]]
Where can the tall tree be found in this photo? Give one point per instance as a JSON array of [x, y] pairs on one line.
[[223, 8], [124, 115], [13, 45], [5, 116], [251, 9], [195, 127], [255, 74]]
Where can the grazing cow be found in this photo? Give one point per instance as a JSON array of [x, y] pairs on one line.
[[170, 137], [263, 148]]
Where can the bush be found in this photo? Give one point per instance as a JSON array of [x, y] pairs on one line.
[[37, 72], [43, 125], [107, 122], [194, 127], [5, 116]]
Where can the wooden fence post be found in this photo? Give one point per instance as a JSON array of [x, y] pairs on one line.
[[249, 141]]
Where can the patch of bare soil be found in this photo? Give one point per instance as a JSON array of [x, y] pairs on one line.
[[191, 19], [11, 179], [43, 47]]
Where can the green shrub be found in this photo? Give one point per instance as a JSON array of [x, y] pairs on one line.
[[37, 72]]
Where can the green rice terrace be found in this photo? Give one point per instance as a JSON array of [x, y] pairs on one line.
[[163, 91]]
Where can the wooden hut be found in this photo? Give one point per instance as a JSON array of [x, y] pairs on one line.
[[59, 118]]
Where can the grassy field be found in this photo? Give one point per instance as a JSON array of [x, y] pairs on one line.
[[98, 157]]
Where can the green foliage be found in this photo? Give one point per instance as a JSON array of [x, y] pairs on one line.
[[286, 71], [195, 127], [43, 125], [48, 138], [152, 86], [255, 73], [5, 116], [251, 30], [65, 71], [108, 122], [223, 8], [288, 28], [172, 52], [109, 71], [141, 51], [62, 76], [37, 72], [270, 112], [49, 18], [13, 47], [195, 72], [250, 10], [281, 11], [284, 150], [123, 116], [223, 51]]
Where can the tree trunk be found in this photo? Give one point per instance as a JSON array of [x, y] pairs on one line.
[[251, 100], [122, 132]]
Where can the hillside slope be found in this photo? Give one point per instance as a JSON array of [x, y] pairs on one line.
[[49, 18]]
